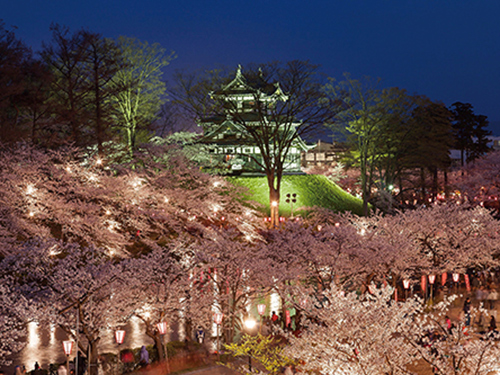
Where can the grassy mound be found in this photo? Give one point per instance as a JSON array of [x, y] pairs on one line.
[[311, 190]]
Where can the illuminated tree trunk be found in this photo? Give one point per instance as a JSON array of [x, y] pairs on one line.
[[153, 334], [274, 200]]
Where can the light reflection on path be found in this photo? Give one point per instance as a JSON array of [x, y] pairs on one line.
[[44, 344]]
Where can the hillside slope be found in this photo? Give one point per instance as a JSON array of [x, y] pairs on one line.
[[311, 190]]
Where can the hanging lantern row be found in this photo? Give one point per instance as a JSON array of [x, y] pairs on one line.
[[432, 279]]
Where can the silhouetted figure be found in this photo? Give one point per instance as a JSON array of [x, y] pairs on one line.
[[467, 307], [493, 324]]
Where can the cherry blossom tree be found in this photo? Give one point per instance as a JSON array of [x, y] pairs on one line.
[[346, 333], [458, 350], [351, 334], [158, 289], [480, 182], [14, 315], [74, 287], [349, 253], [231, 270], [448, 238], [126, 209]]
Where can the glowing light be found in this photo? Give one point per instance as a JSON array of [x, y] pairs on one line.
[[274, 204], [250, 323], [165, 200], [456, 277], [33, 336], [98, 161], [337, 224], [30, 189], [406, 284], [31, 214], [108, 212], [432, 279], [53, 250]]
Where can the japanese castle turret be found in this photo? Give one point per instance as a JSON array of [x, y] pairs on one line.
[[247, 111]]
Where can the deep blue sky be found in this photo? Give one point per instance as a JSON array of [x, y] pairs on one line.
[[448, 50]]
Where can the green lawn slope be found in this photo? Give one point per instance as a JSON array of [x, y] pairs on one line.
[[311, 190]]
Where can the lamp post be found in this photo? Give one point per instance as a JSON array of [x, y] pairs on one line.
[[162, 330], [406, 285], [261, 308], [249, 325], [432, 280], [291, 198], [67, 347], [218, 321]]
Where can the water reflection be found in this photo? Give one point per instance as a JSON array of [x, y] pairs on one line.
[[44, 344]]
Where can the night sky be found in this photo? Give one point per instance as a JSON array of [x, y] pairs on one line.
[[448, 50]]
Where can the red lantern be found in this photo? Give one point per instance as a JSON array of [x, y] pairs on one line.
[[467, 282], [261, 309], [444, 276], [406, 284], [423, 282], [67, 347], [218, 318], [162, 327], [432, 279], [119, 336]]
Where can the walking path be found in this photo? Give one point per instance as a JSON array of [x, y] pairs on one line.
[[212, 370]]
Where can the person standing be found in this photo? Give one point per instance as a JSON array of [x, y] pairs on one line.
[[274, 317], [466, 309], [200, 335], [493, 324], [144, 357]]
